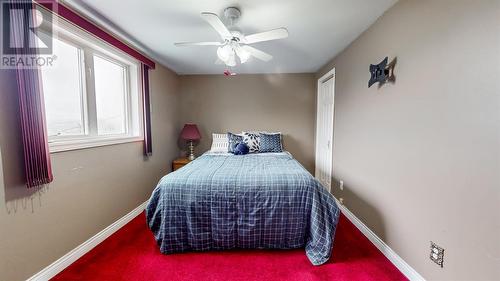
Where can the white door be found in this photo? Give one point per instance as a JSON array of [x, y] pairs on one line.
[[324, 129]]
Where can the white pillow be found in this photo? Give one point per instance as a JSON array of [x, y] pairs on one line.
[[220, 143]]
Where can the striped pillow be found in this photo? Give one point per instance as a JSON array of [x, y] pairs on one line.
[[220, 143]]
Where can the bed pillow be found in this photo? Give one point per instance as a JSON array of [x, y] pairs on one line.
[[220, 143], [252, 140], [270, 143], [233, 141], [241, 149]]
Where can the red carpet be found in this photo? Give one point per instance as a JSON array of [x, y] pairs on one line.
[[131, 254]]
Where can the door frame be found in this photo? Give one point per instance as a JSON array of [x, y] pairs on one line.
[[329, 74]]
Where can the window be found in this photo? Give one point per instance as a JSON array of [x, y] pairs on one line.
[[63, 93], [92, 95], [110, 97]]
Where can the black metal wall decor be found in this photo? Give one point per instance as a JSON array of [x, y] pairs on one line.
[[382, 72]]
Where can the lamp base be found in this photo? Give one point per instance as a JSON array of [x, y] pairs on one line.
[[191, 156]]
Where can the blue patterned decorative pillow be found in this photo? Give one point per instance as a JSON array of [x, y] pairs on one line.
[[233, 141], [270, 143], [252, 140], [241, 149]]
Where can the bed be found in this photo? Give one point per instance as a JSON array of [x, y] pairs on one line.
[[259, 201]]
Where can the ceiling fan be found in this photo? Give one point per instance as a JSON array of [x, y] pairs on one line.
[[234, 43]]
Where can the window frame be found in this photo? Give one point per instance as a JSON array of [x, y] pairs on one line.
[[90, 46]]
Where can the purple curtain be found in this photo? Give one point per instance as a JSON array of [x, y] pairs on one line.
[[148, 148], [31, 107]]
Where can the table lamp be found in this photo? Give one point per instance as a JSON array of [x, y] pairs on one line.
[[190, 133]]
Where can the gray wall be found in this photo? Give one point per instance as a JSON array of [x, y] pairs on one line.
[[271, 102], [420, 158], [92, 187]]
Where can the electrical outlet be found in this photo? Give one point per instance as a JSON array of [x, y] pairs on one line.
[[341, 185], [437, 254]]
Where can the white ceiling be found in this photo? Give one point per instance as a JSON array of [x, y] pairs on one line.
[[319, 29]]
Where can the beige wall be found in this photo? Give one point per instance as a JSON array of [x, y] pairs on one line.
[[420, 158], [271, 102], [91, 190]]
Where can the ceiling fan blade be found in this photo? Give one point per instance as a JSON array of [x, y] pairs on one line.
[[185, 44], [217, 24], [258, 53], [274, 34]]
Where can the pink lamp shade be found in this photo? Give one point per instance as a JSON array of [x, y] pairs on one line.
[[190, 132]]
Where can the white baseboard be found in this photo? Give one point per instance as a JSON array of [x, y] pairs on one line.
[[405, 268], [60, 264]]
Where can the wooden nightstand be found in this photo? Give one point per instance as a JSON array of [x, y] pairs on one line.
[[179, 163]]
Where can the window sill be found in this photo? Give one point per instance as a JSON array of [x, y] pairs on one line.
[[68, 145]]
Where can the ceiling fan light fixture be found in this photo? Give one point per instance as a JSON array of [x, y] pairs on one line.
[[231, 61], [225, 52], [243, 54]]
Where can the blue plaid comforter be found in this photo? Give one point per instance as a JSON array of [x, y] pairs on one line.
[[257, 201]]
